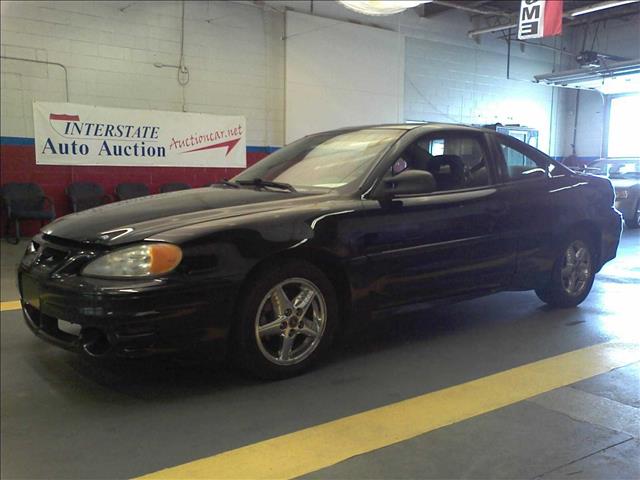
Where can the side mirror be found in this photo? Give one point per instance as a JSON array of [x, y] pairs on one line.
[[409, 182]]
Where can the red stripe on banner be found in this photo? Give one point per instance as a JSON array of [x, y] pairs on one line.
[[552, 18], [62, 116]]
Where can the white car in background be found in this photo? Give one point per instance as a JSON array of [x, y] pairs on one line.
[[624, 174]]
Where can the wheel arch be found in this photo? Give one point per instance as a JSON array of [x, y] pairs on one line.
[[328, 263], [592, 231]]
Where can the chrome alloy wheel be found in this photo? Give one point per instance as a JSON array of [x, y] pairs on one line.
[[576, 268], [290, 322]]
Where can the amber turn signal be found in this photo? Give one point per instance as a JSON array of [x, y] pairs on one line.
[[164, 258]]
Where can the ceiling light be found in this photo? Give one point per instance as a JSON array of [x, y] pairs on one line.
[[615, 77], [601, 6], [381, 7]]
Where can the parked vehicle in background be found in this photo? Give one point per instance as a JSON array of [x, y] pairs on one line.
[[273, 262], [624, 174]]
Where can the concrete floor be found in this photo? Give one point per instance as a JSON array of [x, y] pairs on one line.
[[65, 417]]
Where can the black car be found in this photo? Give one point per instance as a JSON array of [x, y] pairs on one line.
[[278, 260]]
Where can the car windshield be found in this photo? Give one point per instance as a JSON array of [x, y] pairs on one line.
[[328, 160], [616, 168]]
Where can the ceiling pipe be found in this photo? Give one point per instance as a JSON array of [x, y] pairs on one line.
[[446, 3], [596, 7], [497, 28]]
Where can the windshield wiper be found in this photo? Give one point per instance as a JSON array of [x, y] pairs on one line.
[[258, 182], [229, 183]]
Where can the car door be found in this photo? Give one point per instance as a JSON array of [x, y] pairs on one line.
[[447, 243], [527, 183]]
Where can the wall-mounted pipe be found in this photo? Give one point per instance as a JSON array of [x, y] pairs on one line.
[[66, 75]]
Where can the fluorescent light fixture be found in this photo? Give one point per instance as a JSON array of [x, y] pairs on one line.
[[601, 6], [616, 77], [381, 7]]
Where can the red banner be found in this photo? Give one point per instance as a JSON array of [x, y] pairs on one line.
[[552, 18], [540, 18]]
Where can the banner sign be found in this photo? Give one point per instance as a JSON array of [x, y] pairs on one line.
[[540, 18], [72, 134]]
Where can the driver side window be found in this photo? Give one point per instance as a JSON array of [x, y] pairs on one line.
[[520, 166], [456, 160]]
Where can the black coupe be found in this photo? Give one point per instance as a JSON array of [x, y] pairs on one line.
[[276, 261]]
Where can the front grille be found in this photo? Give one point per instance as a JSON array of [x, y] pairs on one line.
[[49, 326], [52, 257], [55, 257]]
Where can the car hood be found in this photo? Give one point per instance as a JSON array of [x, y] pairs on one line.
[[137, 219]]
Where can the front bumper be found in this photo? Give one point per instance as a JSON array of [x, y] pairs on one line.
[[611, 228], [126, 318]]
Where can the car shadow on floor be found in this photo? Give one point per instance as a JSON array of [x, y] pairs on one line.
[[167, 377]]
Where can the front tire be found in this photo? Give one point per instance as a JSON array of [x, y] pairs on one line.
[[572, 276], [287, 320]]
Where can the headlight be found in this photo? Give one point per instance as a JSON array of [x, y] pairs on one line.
[[622, 193], [145, 260]]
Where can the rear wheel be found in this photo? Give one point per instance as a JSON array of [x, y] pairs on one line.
[[572, 276], [287, 321]]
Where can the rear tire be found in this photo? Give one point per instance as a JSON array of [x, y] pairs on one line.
[[287, 317], [573, 274]]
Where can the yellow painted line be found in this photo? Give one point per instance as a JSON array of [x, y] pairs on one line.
[[6, 306], [321, 446]]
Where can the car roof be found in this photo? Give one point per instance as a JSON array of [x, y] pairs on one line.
[[423, 125]]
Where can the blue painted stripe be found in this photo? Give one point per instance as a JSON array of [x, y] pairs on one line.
[[254, 149], [25, 141], [17, 141]]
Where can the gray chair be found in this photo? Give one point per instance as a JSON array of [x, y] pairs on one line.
[[25, 201], [126, 191], [85, 195], [173, 187]]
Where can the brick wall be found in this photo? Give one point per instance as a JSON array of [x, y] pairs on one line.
[[463, 84], [234, 54]]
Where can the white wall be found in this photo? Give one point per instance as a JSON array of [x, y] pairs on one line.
[[234, 54], [466, 84], [620, 37], [451, 78], [589, 130], [339, 74]]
